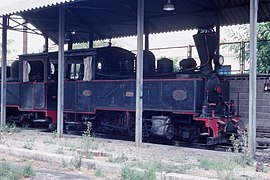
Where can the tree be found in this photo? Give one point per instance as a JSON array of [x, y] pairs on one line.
[[263, 44], [102, 43], [10, 49]]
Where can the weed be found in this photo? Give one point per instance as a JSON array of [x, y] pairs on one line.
[[77, 162], [212, 164], [128, 174], [59, 150], [15, 172], [29, 144], [118, 159], [240, 144], [64, 163], [48, 141], [224, 169], [87, 133], [99, 173], [10, 128], [54, 134], [88, 142]]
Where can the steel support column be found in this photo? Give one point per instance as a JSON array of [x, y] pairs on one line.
[[146, 37], [90, 40], [252, 78], [25, 38], [218, 37], [4, 72], [46, 45], [139, 73], [61, 65]]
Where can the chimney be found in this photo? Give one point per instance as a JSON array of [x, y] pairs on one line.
[[206, 44]]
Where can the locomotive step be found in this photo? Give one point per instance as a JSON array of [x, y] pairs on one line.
[[40, 120]]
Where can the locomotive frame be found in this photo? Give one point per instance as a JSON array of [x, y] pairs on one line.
[[100, 88]]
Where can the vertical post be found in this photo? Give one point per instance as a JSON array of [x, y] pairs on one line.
[[146, 38], [139, 73], [4, 72], [243, 57], [252, 78], [90, 39], [218, 38], [25, 38], [46, 45], [61, 65], [189, 51]]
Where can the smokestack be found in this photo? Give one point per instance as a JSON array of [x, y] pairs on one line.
[[206, 44]]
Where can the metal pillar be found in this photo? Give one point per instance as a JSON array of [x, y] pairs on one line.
[[61, 65], [139, 73], [146, 37], [242, 56], [46, 45], [189, 51], [91, 41], [25, 38], [218, 38], [4, 72], [252, 78]]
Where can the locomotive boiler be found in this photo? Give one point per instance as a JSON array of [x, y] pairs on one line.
[[100, 88]]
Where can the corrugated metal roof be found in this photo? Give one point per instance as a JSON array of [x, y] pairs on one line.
[[8, 7], [117, 18]]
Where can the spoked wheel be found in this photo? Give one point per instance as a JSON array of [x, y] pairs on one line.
[[196, 135], [131, 127], [169, 131]]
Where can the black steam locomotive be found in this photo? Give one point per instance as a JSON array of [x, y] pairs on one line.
[[100, 88]]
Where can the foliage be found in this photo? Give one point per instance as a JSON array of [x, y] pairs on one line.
[[10, 128], [129, 174], [149, 169], [29, 144], [99, 173], [212, 164], [10, 43], [118, 159], [102, 43], [59, 150], [77, 162], [175, 60], [240, 144], [15, 172], [263, 48]]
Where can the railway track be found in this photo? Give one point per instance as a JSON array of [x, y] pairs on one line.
[[263, 138]]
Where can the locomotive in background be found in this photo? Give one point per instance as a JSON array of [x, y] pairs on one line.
[[100, 88]]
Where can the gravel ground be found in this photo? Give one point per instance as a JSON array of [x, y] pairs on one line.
[[206, 163]]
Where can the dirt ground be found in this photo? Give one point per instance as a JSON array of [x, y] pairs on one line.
[[149, 158]]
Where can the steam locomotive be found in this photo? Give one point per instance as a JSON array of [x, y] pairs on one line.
[[100, 88]]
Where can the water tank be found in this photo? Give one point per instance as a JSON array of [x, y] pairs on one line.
[[188, 64], [164, 66], [14, 71], [149, 67]]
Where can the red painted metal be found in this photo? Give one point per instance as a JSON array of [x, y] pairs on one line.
[[52, 114]]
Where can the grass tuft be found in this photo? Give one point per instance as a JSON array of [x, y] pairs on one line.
[[8, 171]]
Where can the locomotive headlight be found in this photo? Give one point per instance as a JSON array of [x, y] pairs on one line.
[[219, 60]]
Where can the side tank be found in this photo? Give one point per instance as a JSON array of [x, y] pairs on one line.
[[14, 71], [164, 66], [149, 63]]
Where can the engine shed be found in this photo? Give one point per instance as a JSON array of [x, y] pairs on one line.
[[107, 19]]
